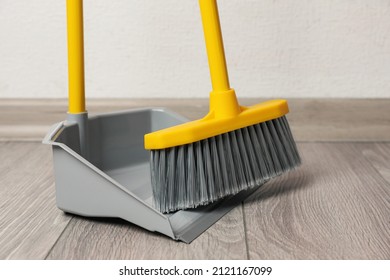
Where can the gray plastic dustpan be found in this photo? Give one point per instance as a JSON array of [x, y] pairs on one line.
[[115, 180]]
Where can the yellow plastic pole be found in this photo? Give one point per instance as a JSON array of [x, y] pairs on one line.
[[223, 100], [214, 45], [75, 56]]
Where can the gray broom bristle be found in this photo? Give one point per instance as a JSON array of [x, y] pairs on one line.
[[199, 173]]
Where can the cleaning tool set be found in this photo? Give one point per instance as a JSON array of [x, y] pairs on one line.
[[102, 169], [233, 148]]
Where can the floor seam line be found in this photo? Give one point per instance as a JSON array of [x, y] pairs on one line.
[[245, 231], [59, 237]]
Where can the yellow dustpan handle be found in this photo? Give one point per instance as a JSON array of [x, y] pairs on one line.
[[76, 112], [76, 56], [223, 101]]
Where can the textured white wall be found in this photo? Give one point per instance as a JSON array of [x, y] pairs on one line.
[[154, 48]]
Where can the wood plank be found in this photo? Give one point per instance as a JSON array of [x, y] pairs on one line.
[[334, 119], [30, 223], [113, 239], [379, 156], [336, 206], [311, 119]]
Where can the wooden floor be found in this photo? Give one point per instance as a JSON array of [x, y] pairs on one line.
[[335, 206]]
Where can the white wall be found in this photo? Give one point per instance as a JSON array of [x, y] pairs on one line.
[[154, 48]]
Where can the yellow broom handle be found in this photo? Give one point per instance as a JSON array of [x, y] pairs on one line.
[[214, 45], [75, 56]]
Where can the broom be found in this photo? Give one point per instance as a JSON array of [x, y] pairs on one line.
[[231, 149]]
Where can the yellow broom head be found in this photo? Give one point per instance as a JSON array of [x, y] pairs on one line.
[[225, 115]]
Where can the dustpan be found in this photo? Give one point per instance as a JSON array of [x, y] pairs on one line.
[[115, 180], [101, 168]]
